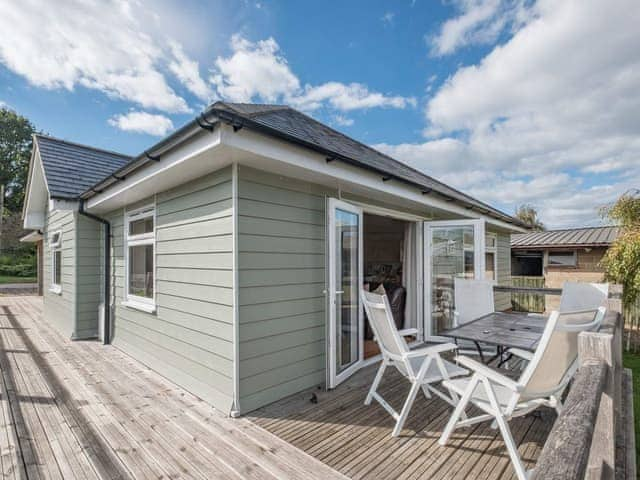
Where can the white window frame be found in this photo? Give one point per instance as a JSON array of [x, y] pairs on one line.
[[55, 246], [135, 301], [492, 249]]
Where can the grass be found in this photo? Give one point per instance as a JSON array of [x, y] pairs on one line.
[[7, 279], [632, 361]]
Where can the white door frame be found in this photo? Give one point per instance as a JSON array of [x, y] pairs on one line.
[[335, 378], [478, 263]]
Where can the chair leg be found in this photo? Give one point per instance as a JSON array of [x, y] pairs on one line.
[[512, 448], [406, 408], [503, 425], [376, 382], [458, 411]]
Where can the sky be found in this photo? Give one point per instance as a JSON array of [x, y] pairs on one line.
[[513, 102]]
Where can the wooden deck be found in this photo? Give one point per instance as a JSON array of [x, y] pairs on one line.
[[356, 439], [81, 410]]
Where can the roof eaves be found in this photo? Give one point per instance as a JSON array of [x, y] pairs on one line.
[[238, 121]]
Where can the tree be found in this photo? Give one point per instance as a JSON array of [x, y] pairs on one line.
[[15, 152], [622, 260], [528, 214]]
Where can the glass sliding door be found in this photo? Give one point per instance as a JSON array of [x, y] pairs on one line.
[[345, 281], [453, 249]]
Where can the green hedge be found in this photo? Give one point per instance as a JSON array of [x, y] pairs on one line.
[[18, 262], [23, 270]]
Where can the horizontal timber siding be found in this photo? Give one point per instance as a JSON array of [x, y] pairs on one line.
[[281, 260], [88, 276], [502, 299], [189, 339], [60, 309]]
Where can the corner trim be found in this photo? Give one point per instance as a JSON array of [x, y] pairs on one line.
[[235, 408]]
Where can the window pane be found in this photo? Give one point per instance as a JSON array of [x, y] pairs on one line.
[[141, 271], [490, 241], [468, 264], [489, 266], [138, 227], [57, 267], [562, 259]]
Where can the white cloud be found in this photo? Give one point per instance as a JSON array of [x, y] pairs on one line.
[[95, 44], [343, 121], [551, 117], [387, 18], [343, 97], [188, 72], [254, 70], [479, 22], [142, 122], [257, 70]]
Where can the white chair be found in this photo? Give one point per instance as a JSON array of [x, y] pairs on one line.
[[575, 296], [421, 367], [473, 299], [582, 296], [541, 383]]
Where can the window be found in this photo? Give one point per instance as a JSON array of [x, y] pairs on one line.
[[491, 257], [56, 262], [140, 259], [562, 259]]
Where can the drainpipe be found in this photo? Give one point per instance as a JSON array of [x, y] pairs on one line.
[[107, 268]]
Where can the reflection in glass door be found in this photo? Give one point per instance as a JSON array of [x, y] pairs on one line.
[[452, 253], [345, 309]]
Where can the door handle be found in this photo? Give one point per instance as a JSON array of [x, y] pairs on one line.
[[339, 292]]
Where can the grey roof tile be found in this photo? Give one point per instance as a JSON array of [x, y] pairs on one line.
[[572, 237], [289, 121], [71, 168]]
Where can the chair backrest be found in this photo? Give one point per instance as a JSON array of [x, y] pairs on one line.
[[473, 299], [583, 296], [381, 321], [555, 359]]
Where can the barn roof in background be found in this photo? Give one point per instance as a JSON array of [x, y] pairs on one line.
[[571, 237]]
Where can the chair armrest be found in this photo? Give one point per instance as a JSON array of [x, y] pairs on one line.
[[487, 372], [433, 349], [518, 352], [408, 331]]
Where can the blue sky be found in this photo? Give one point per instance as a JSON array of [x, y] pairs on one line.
[[512, 101]]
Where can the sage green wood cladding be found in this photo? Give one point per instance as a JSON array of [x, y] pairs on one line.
[[281, 276], [89, 260], [503, 299], [73, 311], [189, 339], [60, 308]]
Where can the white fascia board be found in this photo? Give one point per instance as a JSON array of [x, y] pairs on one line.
[[188, 161], [341, 174], [33, 220], [37, 193]]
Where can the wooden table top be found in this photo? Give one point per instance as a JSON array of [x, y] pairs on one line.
[[513, 330]]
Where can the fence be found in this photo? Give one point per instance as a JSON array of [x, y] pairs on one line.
[[526, 301]]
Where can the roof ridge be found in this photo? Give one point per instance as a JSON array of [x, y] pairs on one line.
[[81, 145]]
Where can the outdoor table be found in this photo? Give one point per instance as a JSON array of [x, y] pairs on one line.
[[502, 329]]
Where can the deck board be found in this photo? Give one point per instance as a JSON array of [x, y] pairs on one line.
[[84, 410], [356, 440]]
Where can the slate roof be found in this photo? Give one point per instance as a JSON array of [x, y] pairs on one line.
[[298, 126], [71, 168], [572, 237]]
